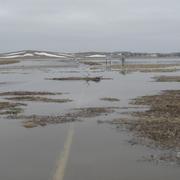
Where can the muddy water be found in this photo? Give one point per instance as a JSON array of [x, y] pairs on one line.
[[95, 151]]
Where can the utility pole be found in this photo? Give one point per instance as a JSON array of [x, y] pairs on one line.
[[123, 60]]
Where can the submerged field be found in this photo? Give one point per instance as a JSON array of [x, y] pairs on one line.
[[89, 119]]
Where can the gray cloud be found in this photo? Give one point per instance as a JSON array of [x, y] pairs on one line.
[[83, 25]]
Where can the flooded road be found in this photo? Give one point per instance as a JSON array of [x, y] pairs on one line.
[[82, 150], [62, 163]]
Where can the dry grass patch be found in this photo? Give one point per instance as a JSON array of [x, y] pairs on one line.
[[28, 93], [167, 78], [10, 108], [33, 96], [7, 105], [143, 66], [8, 61], [158, 70], [39, 99], [37, 120], [159, 125], [161, 122], [93, 111]]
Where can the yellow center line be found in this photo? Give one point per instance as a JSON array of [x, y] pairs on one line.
[[64, 156]]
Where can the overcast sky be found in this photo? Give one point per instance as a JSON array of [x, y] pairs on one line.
[[90, 25]]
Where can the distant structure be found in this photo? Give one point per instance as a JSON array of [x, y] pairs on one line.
[[109, 59], [106, 60], [123, 58]]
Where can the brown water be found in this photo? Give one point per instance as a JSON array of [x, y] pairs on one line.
[[93, 151]]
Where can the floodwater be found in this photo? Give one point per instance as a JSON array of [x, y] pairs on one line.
[[81, 150]]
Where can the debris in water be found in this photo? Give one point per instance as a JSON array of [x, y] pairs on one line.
[[95, 79], [109, 99]]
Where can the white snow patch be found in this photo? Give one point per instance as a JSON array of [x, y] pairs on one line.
[[47, 54], [153, 55], [18, 56], [96, 56], [15, 53]]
